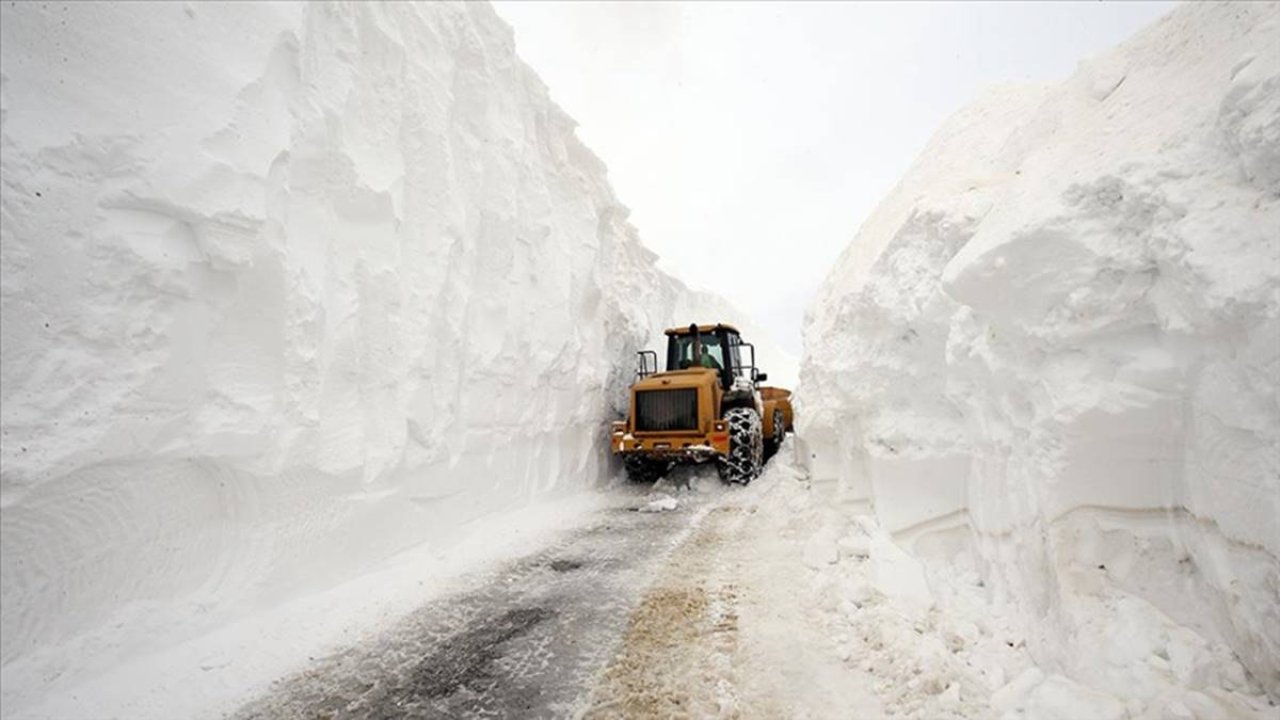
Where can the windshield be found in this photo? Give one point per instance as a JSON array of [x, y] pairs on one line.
[[680, 353]]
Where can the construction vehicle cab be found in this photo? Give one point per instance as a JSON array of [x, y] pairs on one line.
[[705, 406]]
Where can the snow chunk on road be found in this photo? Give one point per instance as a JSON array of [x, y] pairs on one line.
[[821, 550], [899, 576], [662, 504]]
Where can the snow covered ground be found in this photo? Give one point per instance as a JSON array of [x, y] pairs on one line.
[[1049, 364], [291, 293]]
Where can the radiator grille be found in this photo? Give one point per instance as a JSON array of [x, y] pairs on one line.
[[662, 410]]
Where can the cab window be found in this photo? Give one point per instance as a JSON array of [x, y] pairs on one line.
[[680, 356], [735, 354]]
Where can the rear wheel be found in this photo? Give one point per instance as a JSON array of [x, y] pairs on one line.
[[643, 469], [779, 433], [746, 447]]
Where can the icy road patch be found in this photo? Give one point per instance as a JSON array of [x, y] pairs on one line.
[[522, 640]]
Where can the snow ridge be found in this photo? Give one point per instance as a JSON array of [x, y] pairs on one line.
[[287, 290], [1061, 331]]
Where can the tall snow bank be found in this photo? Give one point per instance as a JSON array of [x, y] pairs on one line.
[[1061, 331], [287, 289]]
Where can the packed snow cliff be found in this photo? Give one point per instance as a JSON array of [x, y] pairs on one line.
[[1053, 354], [287, 290]]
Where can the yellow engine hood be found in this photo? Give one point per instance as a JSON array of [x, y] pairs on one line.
[[693, 377]]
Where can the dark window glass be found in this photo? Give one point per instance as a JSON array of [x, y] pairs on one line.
[[680, 352]]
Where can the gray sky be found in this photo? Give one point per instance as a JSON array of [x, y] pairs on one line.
[[751, 139]]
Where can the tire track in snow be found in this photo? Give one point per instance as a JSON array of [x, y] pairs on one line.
[[675, 659]]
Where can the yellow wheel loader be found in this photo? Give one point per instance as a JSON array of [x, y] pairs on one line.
[[706, 406]]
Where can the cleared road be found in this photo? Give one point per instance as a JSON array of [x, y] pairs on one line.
[[691, 612]]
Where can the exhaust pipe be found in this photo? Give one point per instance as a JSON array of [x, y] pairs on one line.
[[697, 345]]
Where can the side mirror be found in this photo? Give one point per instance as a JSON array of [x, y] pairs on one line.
[[761, 377]]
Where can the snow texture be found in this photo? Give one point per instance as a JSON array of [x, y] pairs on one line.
[[288, 290], [1052, 354]]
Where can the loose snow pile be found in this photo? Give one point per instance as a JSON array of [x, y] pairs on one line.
[[1050, 363], [659, 503], [288, 290]]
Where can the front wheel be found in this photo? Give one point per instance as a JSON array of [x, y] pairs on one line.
[[746, 447]]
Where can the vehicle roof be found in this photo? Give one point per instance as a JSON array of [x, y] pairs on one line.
[[702, 329]]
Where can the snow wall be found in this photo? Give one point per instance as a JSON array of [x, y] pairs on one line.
[[287, 289], [1056, 344]]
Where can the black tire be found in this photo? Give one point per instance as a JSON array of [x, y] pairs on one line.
[[746, 447], [779, 433], [643, 469]]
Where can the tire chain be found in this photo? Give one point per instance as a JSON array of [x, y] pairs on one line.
[[742, 464]]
